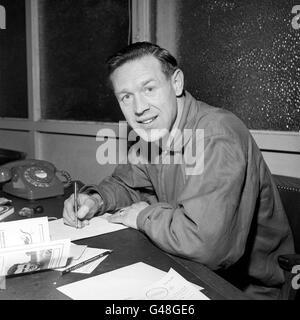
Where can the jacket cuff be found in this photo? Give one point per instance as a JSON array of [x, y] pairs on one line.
[[145, 213]]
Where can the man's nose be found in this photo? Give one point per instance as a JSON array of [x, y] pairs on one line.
[[141, 105]]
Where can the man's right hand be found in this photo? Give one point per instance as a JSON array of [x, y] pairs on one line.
[[88, 206]]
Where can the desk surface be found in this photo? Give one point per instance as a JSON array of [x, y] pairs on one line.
[[129, 245]]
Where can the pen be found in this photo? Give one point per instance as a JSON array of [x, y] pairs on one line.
[[83, 263], [75, 203]]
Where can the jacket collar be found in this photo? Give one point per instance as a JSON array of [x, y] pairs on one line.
[[179, 136]]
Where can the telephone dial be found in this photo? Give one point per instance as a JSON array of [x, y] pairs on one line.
[[33, 179]]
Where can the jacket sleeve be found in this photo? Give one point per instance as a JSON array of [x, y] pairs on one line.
[[205, 225], [128, 184]]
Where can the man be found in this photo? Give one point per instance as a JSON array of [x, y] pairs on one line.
[[227, 214]]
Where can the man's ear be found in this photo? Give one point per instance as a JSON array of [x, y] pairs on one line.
[[178, 82]]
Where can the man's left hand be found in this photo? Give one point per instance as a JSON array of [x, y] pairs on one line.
[[128, 215]]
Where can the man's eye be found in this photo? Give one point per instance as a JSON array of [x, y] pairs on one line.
[[149, 89], [126, 98]]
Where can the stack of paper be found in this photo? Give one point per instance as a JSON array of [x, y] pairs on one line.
[[97, 226], [26, 247], [136, 281]]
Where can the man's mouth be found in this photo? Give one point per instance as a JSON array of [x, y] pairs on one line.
[[147, 121]]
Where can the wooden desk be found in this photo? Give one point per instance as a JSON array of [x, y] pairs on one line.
[[129, 245]]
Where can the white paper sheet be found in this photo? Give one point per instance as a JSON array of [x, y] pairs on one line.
[[87, 254], [118, 284], [97, 226], [76, 251], [171, 287], [24, 232]]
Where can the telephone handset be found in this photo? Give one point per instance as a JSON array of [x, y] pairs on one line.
[[33, 179]]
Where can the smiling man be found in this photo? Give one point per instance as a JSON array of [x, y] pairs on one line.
[[227, 216], [148, 97]]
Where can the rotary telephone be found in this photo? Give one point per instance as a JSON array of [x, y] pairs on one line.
[[33, 179]]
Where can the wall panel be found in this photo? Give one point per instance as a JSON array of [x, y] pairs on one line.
[[75, 154], [15, 140]]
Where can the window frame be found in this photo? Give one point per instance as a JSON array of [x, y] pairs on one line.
[[34, 124], [273, 141]]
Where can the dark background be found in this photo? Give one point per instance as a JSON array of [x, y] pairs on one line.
[[13, 71], [243, 56]]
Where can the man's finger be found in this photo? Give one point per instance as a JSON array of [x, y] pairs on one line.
[[81, 224], [67, 220], [116, 218], [88, 207], [85, 223], [68, 212], [69, 208]]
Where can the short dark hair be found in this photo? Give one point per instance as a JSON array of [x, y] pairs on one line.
[[139, 50]]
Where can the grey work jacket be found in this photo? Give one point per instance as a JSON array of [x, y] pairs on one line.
[[228, 217]]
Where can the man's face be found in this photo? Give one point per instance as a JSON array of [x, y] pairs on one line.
[[147, 98]]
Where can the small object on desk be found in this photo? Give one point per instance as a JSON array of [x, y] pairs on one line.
[[38, 209], [4, 201], [29, 212], [75, 203], [6, 211], [26, 212], [83, 263]]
